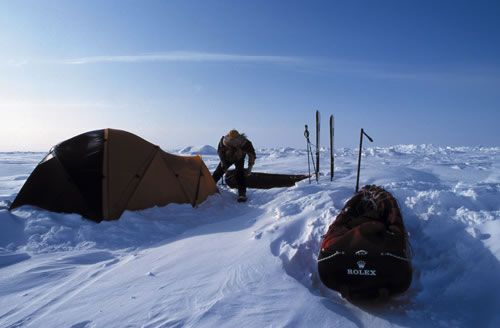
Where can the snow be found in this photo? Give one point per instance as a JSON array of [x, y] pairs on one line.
[[254, 264], [198, 150]]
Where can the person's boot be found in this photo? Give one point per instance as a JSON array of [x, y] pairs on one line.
[[242, 197]]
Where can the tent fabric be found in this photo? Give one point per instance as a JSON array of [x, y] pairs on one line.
[[100, 174]]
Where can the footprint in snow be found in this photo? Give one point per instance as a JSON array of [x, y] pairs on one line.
[[83, 324]]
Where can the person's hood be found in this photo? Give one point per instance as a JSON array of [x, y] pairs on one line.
[[236, 142]]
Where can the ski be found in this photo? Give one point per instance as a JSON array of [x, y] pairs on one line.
[[317, 143], [331, 148]]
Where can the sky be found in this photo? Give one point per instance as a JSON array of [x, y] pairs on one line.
[[182, 73]]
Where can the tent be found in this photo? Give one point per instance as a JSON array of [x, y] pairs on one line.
[[100, 174]]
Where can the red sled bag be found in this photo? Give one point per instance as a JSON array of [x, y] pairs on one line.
[[366, 253]]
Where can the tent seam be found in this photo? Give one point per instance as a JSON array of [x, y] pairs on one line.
[[200, 173], [152, 157], [177, 179]]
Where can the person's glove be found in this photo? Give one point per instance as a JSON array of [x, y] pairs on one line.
[[249, 169]]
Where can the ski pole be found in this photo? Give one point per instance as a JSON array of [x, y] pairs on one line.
[[331, 148], [306, 135], [310, 151], [363, 133], [317, 144]]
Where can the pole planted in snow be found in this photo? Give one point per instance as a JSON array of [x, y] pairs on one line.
[[363, 133], [306, 134], [317, 143], [331, 148]]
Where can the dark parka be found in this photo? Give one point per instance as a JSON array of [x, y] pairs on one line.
[[233, 150]]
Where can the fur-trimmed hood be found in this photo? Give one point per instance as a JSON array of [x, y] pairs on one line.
[[235, 142], [234, 147]]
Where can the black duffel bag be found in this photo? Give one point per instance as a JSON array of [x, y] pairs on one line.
[[366, 253]]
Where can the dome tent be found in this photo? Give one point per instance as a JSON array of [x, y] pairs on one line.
[[100, 174]]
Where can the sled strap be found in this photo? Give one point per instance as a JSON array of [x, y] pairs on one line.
[[395, 256], [333, 255]]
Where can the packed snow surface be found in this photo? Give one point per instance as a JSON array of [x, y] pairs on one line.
[[226, 264], [198, 150]]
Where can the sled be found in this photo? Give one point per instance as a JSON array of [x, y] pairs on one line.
[[366, 253], [258, 180]]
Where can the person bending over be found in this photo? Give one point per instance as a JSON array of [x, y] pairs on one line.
[[232, 149]]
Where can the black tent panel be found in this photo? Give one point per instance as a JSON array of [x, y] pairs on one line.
[[50, 188], [82, 159]]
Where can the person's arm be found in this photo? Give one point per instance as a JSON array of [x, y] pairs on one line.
[[220, 148], [250, 151], [221, 151]]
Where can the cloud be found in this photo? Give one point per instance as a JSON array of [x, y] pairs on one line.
[[55, 106], [308, 65], [186, 56], [17, 62], [388, 71]]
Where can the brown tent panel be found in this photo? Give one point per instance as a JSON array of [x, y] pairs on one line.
[[167, 191], [128, 158], [99, 174], [205, 185]]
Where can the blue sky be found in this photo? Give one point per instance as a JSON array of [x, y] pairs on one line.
[[182, 73]]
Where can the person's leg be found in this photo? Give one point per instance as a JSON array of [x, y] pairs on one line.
[[241, 178], [218, 173]]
